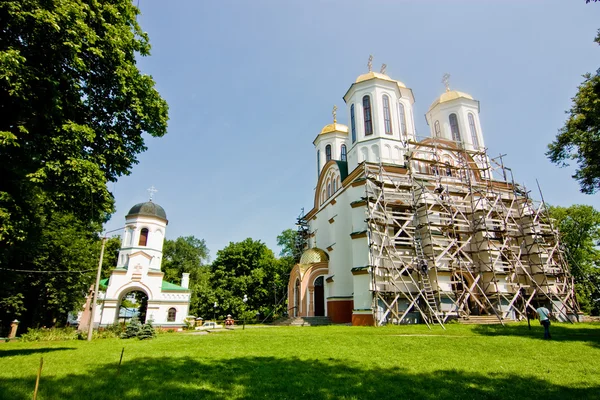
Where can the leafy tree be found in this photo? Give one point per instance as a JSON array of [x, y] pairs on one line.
[[244, 268], [184, 254], [289, 240], [579, 139], [74, 107], [44, 296], [579, 227]]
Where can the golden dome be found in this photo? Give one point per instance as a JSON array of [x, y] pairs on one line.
[[335, 127], [449, 96], [313, 256], [376, 75]]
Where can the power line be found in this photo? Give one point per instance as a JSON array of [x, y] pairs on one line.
[[46, 272]]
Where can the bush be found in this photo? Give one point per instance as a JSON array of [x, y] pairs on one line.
[[49, 334], [147, 331], [132, 329], [136, 329]]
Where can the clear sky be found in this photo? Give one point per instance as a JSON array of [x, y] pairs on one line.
[[251, 83]]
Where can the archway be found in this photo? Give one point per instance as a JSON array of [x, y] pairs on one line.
[[297, 298], [319, 294], [133, 303]]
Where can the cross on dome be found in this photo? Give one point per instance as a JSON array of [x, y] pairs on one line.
[[446, 81], [334, 113], [152, 190], [383, 68], [370, 63]]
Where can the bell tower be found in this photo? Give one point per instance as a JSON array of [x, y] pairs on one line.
[[381, 118]]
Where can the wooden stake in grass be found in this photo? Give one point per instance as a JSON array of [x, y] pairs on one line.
[[37, 380], [120, 361]]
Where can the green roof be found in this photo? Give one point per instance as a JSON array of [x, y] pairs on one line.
[[171, 286]]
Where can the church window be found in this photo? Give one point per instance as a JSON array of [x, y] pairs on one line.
[[436, 128], [318, 161], [343, 152], [171, 315], [367, 115], [402, 119], [454, 128], [352, 123], [387, 116], [473, 131], [327, 153], [143, 237], [328, 190]]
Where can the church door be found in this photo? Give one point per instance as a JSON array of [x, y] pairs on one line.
[[319, 297]]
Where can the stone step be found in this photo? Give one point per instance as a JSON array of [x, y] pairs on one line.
[[480, 320], [305, 321]]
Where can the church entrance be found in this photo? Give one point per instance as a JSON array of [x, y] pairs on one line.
[[297, 298], [319, 297], [133, 304]]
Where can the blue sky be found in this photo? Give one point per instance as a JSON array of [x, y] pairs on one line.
[[251, 83]]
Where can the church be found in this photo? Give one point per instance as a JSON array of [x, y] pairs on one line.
[[408, 229], [139, 270]]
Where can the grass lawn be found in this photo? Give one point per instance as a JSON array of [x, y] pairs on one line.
[[334, 362]]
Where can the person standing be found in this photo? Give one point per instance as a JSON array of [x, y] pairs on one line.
[[544, 315]]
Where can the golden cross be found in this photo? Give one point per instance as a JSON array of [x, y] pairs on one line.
[[370, 63], [334, 112], [446, 81]]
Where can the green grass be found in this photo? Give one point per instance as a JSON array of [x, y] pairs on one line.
[[338, 362]]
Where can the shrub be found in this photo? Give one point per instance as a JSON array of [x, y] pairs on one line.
[[132, 329], [147, 331], [49, 334]]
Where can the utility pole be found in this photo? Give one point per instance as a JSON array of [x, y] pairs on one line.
[[96, 288]]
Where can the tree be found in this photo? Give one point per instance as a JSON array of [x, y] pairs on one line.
[[244, 268], [45, 282], [74, 107], [579, 228], [579, 139], [184, 254], [288, 240]]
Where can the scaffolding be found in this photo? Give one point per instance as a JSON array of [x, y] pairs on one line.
[[452, 236]]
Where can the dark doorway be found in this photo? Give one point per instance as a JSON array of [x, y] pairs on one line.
[[319, 297], [297, 298]]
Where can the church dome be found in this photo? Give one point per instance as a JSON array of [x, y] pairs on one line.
[[335, 127], [313, 256], [149, 209], [376, 75], [449, 96]]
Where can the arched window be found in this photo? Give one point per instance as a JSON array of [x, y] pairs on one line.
[[473, 131], [402, 119], [318, 161], [454, 128], [328, 190], [343, 152], [171, 315], [436, 128], [387, 115], [367, 115], [143, 237], [353, 123], [327, 153]]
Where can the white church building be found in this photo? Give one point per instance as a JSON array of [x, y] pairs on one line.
[[139, 269], [407, 229]]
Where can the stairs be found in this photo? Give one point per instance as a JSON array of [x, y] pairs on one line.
[[305, 321], [480, 320]]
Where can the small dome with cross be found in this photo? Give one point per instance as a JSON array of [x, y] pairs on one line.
[[149, 209]]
